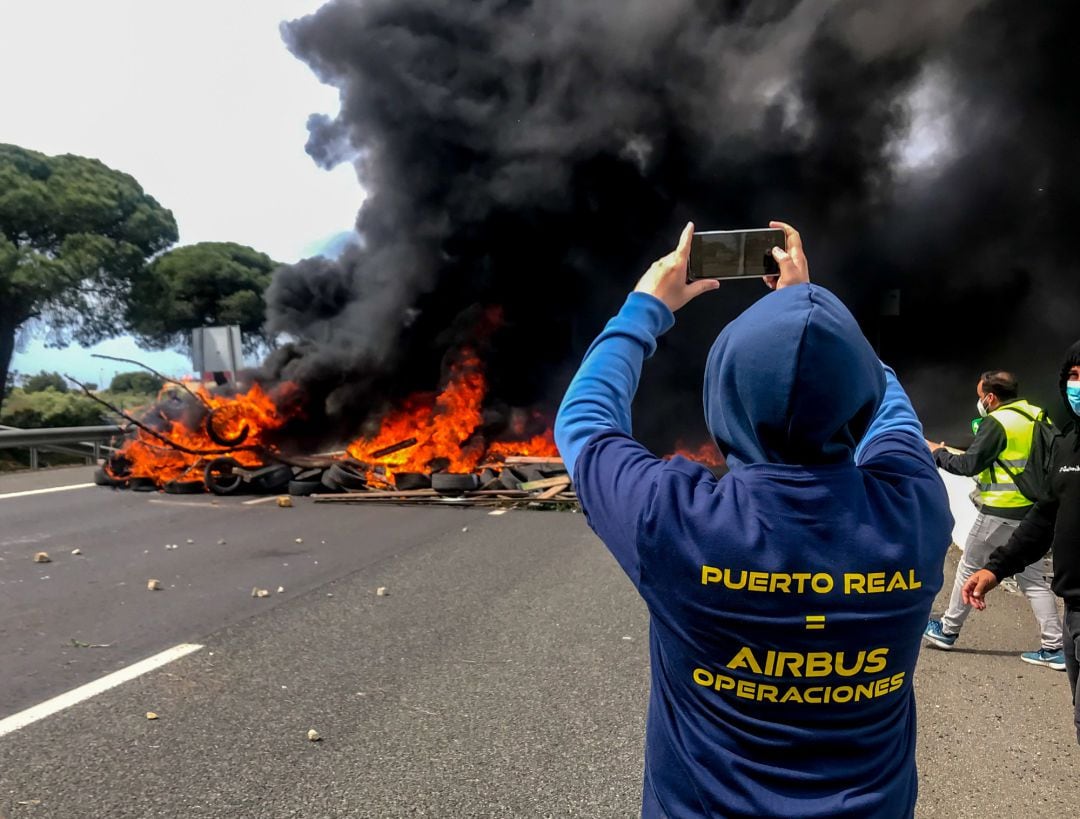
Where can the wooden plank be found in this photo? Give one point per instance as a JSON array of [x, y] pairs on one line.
[[533, 459], [551, 492], [544, 483]]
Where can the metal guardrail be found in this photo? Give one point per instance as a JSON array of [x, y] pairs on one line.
[[48, 439]]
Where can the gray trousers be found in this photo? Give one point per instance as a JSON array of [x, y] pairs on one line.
[[1072, 660], [987, 533]]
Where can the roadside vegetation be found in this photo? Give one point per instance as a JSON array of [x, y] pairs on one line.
[[46, 400]]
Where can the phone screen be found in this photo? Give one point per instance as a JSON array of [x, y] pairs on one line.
[[734, 254]]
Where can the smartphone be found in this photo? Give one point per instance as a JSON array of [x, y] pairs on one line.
[[734, 254]]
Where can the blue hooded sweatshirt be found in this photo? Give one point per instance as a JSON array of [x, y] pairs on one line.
[[787, 599]]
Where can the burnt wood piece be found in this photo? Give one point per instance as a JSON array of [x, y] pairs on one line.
[[390, 450]]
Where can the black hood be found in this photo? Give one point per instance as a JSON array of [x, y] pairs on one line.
[[1072, 359]]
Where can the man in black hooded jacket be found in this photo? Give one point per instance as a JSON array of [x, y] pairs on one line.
[[1054, 522]]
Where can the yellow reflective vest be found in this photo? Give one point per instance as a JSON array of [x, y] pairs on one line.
[[996, 485]]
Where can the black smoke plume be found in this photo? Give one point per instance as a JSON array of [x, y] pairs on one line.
[[538, 154]]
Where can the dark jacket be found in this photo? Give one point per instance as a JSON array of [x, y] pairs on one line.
[[989, 443], [1055, 522], [771, 695]]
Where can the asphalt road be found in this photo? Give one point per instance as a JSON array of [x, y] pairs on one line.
[[504, 674]]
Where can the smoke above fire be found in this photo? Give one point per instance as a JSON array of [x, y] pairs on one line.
[[537, 155]]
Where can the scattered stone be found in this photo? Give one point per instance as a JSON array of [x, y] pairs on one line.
[[299, 540], [280, 589], [284, 501], [313, 736], [257, 592], [151, 715], [76, 551], [189, 540], [42, 557], [464, 528], [221, 542], [153, 585], [381, 591]]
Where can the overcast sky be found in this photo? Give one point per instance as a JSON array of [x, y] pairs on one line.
[[199, 100]]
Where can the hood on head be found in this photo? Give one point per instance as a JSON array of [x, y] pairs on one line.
[[792, 380], [1072, 359]]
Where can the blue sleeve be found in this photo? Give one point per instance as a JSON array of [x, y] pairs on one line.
[[599, 397], [614, 475], [894, 415]]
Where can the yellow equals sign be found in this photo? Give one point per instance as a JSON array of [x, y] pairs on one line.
[[815, 621]]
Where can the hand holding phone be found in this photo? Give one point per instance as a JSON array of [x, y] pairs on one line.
[[735, 254], [774, 253], [794, 268], [666, 277]]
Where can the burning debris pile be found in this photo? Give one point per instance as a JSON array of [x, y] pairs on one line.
[[431, 445]]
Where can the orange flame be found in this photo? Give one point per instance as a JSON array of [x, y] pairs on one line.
[[447, 428], [706, 453], [255, 409]]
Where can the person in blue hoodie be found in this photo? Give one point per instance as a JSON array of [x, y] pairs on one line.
[[787, 599]]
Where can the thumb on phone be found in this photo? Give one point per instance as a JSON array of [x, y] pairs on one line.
[[789, 272]]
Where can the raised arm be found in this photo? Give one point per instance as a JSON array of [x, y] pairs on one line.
[[599, 397]]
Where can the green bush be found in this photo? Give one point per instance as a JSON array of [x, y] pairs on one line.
[[138, 381], [33, 410], [45, 381]]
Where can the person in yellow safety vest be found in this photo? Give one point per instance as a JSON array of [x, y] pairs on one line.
[[1000, 451]]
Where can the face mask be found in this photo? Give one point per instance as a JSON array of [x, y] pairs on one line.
[[1072, 392], [982, 409]]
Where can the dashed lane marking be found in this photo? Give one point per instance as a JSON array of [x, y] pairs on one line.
[[44, 491], [92, 689]]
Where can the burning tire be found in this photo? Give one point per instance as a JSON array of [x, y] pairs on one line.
[[342, 477], [220, 477], [305, 488], [142, 485], [222, 440], [411, 480], [184, 488], [452, 483], [103, 478], [272, 479]]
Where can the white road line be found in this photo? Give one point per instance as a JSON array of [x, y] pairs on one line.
[[91, 689], [259, 500], [45, 491]]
